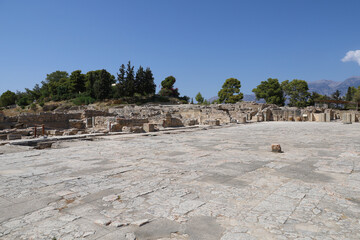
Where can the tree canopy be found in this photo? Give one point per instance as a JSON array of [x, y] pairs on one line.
[[270, 91], [7, 98], [230, 92], [167, 87], [199, 98], [297, 92], [130, 86]]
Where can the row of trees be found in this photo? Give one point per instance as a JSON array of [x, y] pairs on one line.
[[273, 92], [297, 92], [93, 86]]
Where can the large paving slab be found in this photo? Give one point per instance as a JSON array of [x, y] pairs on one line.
[[222, 183]]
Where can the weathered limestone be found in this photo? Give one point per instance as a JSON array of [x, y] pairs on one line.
[[13, 136], [116, 127], [55, 132], [190, 122], [346, 118], [162, 116], [134, 129], [43, 145], [148, 127], [75, 123], [276, 148], [218, 184], [169, 121], [213, 122], [3, 136], [242, 120]]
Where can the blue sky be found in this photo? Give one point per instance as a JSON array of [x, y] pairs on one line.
[[200, 42]]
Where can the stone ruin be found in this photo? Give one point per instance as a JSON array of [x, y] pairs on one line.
[[149, 118]]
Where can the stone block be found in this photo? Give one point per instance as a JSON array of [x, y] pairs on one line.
[[149, 127], [346, 118], [172, 122], [55, 133], [75, 123], [3, 136], [13, 136], [43, 145], [276, 148], [213, 122], [135, 129], [71, 132], [116, 127], [242, 120], [353, 117], [190, 122], [327, 117], [89, 122]]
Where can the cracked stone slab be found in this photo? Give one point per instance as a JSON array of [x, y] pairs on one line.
[[222, 183]]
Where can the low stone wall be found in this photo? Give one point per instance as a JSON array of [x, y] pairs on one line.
[[172, 116]]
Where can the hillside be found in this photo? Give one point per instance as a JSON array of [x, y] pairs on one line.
[[327, 87]]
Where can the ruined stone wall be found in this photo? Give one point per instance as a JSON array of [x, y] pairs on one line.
[[51, 120], [173, 116]]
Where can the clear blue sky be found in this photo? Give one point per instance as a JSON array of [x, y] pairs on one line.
[[200, 42]]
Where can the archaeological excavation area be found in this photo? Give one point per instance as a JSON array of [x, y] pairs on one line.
[[204, 183]]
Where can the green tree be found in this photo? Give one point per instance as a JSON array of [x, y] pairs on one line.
[[149, 86], [23, 99], [199, 98], [102, 84], [77, 82], [90, 78], [230, 92], [297, 92], [167, 87], [129, 86], [350, 94], [356, 97], [314, 96], [271, 91], [7, 98], [35, 93], [139, 81], [168, 82], [336, 95], [120, 86], [57, 83]]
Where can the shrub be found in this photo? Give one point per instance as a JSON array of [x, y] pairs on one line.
[[83, 100], [22, 102], [33, 107]]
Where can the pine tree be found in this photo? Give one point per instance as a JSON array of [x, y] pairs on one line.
[[149, 85], [199, 98], [120, 86], [102, 84], [76, 82], [140, 81], [129, 86]]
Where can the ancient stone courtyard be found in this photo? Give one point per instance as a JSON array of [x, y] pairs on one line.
[[201, 184]]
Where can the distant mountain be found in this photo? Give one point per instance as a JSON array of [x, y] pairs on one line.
[[327, 87]]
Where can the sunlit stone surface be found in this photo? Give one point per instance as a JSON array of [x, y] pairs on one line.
[[222, 183]]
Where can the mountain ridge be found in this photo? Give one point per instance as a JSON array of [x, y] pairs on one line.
[[327, 87]]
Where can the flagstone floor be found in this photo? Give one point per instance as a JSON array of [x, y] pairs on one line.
[[221, 183]]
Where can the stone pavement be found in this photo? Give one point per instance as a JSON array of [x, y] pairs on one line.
[[222, 183]]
